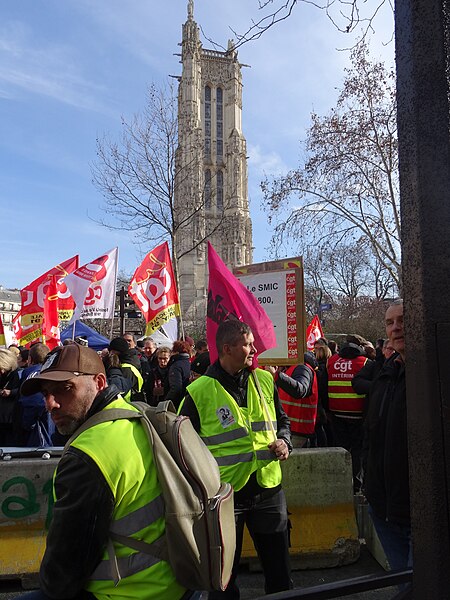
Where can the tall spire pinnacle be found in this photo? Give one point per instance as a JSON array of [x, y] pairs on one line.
[[191, 10]]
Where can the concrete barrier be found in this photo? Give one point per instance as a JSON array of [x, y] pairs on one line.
[[26, 502], [317, 483], [319, 492]]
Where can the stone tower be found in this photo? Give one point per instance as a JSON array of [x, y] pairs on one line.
[[211, 197]]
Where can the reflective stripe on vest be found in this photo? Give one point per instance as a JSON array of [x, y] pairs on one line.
[[136, 373], [238, 436], [302, 412], [343, 399], [138, 510], [129, 525]]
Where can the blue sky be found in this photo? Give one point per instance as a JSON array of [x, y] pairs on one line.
[[70, 69]]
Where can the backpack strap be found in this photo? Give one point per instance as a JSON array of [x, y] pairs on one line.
[[159, 547], [103, 416]]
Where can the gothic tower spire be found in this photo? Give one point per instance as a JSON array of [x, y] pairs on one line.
[[211, 198]]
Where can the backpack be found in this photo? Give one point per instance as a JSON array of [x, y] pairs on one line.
[[200, 537]]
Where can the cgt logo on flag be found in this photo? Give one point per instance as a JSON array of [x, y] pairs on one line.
[[93, 287], [153, 288], [313, 332]]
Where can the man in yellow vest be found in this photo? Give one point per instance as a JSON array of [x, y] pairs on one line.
[[130, 365], [105, 483], [225, 408]]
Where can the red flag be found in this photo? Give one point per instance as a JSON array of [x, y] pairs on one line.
[[50, 325], [154, 290], [2, 333], [313, 332], [28, 324], [229, 298]]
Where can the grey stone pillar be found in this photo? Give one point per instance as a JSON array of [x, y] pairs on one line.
[[424, 149]]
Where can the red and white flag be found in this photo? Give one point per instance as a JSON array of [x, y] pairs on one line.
[[313, 332], [27, 325], [228, 298], [93, 287], [2, 333], [154, 290], [50, 325]]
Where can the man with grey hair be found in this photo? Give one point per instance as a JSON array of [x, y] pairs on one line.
[[385, 457]]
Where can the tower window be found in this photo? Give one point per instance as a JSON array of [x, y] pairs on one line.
[[219, 122], [207, 121], [208, 189], [219, 190]]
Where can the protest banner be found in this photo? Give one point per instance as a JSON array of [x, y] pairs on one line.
[[313, 332], [93, 287], [153, 289], [229, 298], [278, 286], [27, 324]]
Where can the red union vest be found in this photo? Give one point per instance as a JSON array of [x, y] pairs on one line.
[[302, 412], [342, 398]]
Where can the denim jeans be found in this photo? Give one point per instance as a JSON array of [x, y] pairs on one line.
[[396, 542]]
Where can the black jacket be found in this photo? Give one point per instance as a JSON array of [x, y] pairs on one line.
[[385, 448], [160, 374], [81, 519], [362, 381], [236, 386], [178, 378], [299, 384]]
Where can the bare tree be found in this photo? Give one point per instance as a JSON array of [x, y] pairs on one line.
[[347, 187], [345, 274], [346, 16], [140, 180]]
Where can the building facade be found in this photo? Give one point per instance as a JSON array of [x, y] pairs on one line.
[[10, 304], [211, 196]]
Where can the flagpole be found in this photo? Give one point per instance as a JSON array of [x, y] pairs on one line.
[[264, 405], [115, 295], [181, 325]]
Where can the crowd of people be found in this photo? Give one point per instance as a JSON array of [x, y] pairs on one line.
[[352, 396], [137, 368]]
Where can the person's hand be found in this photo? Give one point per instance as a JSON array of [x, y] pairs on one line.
[[280, 449], [5, 393], [271, 369]]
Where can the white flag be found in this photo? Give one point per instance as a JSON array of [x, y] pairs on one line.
[[93, 287]]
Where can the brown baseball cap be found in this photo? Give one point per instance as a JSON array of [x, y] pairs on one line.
[[65, 363]]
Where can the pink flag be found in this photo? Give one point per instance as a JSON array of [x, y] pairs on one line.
[[313, 332], [2, 333], [228, 298]]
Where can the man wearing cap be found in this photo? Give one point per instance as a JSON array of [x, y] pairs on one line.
[[98, 489]]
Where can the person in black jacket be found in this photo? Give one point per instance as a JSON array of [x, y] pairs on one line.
[[9, 386], [157, 384], [179, 371], [385, 449], [130, 365]]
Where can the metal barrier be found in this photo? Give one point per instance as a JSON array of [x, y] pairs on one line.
[[350, 586]]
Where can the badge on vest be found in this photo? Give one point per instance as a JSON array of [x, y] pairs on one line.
[[225, 416]]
